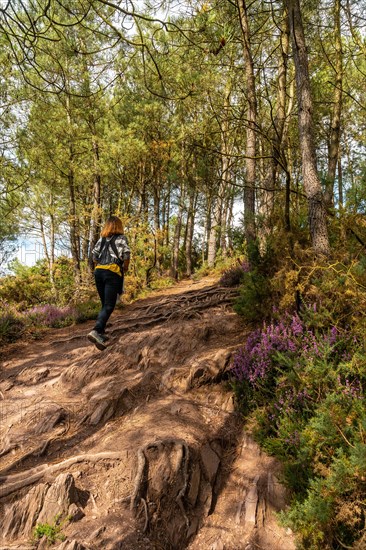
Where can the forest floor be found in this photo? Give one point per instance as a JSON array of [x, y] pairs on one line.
[[138, 446]]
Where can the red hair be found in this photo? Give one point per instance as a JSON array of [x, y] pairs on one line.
[[113, 226]]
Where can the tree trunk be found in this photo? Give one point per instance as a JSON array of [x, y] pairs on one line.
[[156, 199], [74, 234], [73, 218], [95, 221], [212, 241], [224, 188], [167, 218], [177, 235], [267, 195], [312, 185], [340, 183], [335, 130], [190, 229], [52, 247], [218, 226], [249, 190], [229, 223], [207, 230]]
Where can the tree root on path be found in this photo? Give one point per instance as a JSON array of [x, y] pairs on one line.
[[140, 487], [15, 482], [178, 311]]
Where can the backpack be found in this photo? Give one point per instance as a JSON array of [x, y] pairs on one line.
[[117, 261]]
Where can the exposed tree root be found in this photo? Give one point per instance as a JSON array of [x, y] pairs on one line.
[[184, 457], [178, 309], [140, 481], [141, 461], [16, 482]]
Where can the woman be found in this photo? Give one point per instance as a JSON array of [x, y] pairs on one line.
[[112, 257]]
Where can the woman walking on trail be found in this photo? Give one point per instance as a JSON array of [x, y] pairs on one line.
[[112, 257]]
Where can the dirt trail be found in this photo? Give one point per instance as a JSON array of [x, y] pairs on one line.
[[139, 446]]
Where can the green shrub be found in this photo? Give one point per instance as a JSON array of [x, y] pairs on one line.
[[303, 386], [235, 274], [51, 531], [158, 283], [256, 292], [27, 290], [12, 326], [87, 310], [52, 316]]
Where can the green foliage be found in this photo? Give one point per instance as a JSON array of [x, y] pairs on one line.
[[301, 382], [234, 275], [27, 287], [51, 531], [12, 324], [158, 283], [65, 288], [256, 293], [51, 316], [86, 310], [31, 286]]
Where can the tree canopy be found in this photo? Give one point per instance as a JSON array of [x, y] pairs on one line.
[[178, 117]]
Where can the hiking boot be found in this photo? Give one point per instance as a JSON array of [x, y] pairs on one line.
[[97, 339]]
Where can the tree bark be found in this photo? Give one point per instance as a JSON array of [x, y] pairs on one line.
[[73, 218], [96, 217], [178, 227], [335, 130], [218, 226], [177, 235], [267, 196], [340, 183], [190, 229], [249, 190], [312, 186]]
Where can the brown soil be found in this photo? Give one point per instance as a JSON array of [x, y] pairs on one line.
[[139, 446]]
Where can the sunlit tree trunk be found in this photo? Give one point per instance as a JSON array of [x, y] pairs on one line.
[[73, 214], [340, 183], [178, 227], [277, 135], [189, 231], [312, 186], [96, 215], [156, 207], [177, 234], [335, 130], [218, 226], [52, 246], [250, 174]]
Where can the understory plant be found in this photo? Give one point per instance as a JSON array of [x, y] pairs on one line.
[[300, 380], [14, 323], [234, 275], [51, 532], [52, 316]]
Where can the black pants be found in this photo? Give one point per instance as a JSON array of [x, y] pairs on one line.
[[108, 284]]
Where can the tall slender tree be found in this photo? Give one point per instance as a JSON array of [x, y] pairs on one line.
[[312, 186]]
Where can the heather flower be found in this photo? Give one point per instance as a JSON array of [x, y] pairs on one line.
[[234, 275], [294, 439], [51, 316], [351, 388], [254, 361]]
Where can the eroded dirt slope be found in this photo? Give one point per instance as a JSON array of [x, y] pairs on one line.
[[139, 446]]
